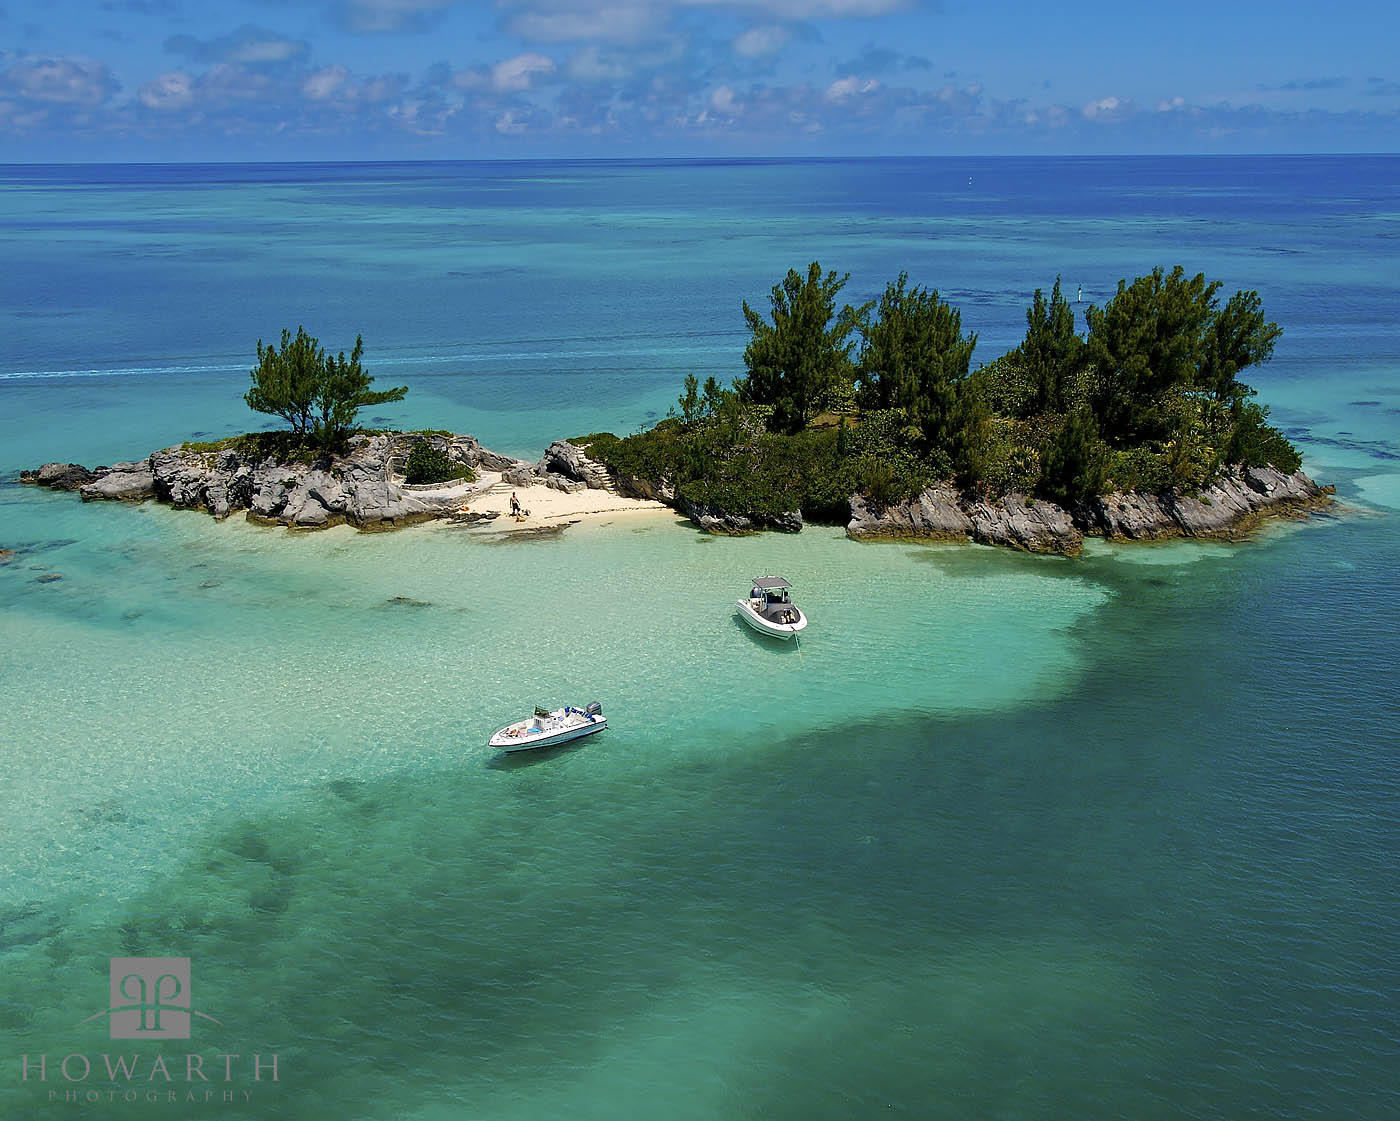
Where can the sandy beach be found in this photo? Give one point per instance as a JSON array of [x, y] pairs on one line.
[[544, 506]]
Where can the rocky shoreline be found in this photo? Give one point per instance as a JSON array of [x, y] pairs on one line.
[[365, 488], [1228, 509]]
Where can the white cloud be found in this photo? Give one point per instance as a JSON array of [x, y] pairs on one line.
[[324, 84], [759, 41], [1108, 109], [422, 117], [372, 91], [474, 78], [511, 75], [723, 101], [172, 90], [515, 75], [563, 21], [249, 45], [71, 80], [845, 88], [267, 50], [335, 84], [608, 22]]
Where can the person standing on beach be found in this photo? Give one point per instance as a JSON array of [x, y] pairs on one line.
[[514, 506]]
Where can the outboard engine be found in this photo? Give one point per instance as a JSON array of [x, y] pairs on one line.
[[593, 709]]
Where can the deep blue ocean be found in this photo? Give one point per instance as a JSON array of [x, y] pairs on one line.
[[1005, 837]]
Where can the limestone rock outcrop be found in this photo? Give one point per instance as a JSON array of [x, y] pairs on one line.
[[59, 476], [934, 515], [571, 462], [358, 487], [1228, 508], [714, 520]]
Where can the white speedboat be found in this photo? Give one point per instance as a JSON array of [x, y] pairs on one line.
[[769, 609], [548, 728]]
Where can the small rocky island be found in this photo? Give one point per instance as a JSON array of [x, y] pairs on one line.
[[1139, 430], [365, 488]]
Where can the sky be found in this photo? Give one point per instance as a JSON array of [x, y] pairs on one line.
[[189, 80]]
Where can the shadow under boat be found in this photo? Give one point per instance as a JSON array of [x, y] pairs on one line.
[[764, 642], [516, 760]]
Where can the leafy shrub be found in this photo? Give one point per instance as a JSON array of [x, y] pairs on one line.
[[1022, 470], [1003, 385], [879, 483], [279, 445], [1255, 443], [727, 460], [1137, 468], [427, 464], [652, 454]]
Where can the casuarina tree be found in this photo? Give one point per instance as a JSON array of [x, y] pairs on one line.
[[318, 394], [797, 360], [914, 357]]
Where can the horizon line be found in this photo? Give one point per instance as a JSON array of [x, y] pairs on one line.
[[715, 159]]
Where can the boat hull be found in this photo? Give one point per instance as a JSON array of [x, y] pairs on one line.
[[520, 736], [767, 626]]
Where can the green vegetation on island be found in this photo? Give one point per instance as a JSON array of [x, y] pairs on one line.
[[427, 464], [318, 394], [881, 400]]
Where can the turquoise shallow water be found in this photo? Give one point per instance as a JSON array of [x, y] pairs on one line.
[[1003, 837], [396, 651]]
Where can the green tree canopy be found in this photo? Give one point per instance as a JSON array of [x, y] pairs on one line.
[[1163, 337], [913, 356], [973, 437], [1149, 401], [344, 391], [1072, 461], [285, 381], [319, 395], [1238, 337], [1149, 338], [804, 353], [1051, 353], [698, 403]]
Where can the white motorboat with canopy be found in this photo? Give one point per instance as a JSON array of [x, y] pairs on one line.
[[770, 610], [547, 728]]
